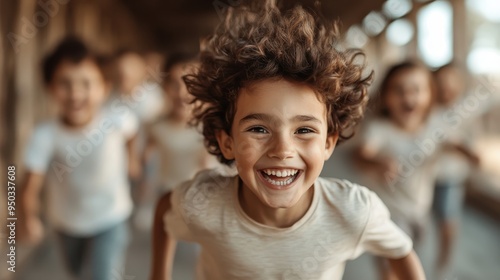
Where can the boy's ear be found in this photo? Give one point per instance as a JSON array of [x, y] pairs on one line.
[[225, 144], [331, 141]]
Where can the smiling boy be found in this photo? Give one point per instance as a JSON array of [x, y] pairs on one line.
[[274, 96], [84, 156]]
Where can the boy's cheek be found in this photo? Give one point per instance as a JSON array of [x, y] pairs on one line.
[[246, 148]]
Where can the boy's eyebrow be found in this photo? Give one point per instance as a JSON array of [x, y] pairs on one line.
[[259, 117], [268, 118], [306, 118]]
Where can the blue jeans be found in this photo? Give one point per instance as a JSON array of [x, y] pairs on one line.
[[104, 251], [448, 201]]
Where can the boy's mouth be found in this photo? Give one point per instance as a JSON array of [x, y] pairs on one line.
[[280, 177]]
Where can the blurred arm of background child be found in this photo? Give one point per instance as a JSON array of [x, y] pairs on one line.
[[381, 167], [31, 228], [163, 251], [145, 160], [134, 166], [465, 151], [408, 268]]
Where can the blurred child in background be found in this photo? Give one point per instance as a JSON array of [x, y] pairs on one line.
[[171, 143], [180, 146], [398, 148], [137, 86], [177, 145], [86, 155], [454, 158]]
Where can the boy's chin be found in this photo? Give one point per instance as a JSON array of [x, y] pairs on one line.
[[77, 119], [280, 203]]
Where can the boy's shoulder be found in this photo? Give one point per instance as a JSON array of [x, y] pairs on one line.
[[205, 186], [343, 194], [199, 200], [341, 186]]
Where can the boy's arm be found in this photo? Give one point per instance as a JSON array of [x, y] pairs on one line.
[[163, 244], [469, 154], [408, 268], [148, 150], [144, 188], [367, 158], [31, 226], [134, 167]]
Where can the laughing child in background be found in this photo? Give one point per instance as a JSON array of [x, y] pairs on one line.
[[398, 148]]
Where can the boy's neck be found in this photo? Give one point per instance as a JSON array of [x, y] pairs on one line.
[[274, 217]]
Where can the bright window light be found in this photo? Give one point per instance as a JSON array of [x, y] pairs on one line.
[[484, 61], [435, 33], [490, 9], [374, 23], [397, 8], [400, 32], [355, 37]]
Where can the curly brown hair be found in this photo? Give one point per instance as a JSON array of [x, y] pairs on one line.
[[255, 43]]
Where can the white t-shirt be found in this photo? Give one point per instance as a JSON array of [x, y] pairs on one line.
[[409, 196], [343, 221], [451, 165], [180, 150], [146, 101], [86, 171]]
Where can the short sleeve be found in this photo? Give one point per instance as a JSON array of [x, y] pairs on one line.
[[130, 125], [39, 150], [175, 220], [381, 236]]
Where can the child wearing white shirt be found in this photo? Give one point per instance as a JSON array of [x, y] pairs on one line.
[[85, 156], [274, 95]]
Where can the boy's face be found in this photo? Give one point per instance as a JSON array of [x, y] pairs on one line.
[[79, 90], [409, 96], [278, 140], [176, 90], [131, 69], [449, 86]]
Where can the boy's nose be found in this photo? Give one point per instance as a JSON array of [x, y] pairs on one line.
[[281, 147], [77, 93]]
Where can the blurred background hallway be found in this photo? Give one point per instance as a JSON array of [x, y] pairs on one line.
[[138, 38]]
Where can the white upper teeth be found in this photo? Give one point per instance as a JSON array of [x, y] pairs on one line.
[[281, 173]]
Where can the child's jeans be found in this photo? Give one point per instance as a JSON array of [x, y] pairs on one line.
[[105, 252]]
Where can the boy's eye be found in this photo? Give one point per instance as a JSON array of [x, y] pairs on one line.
[[257, 129], [304, 130]]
